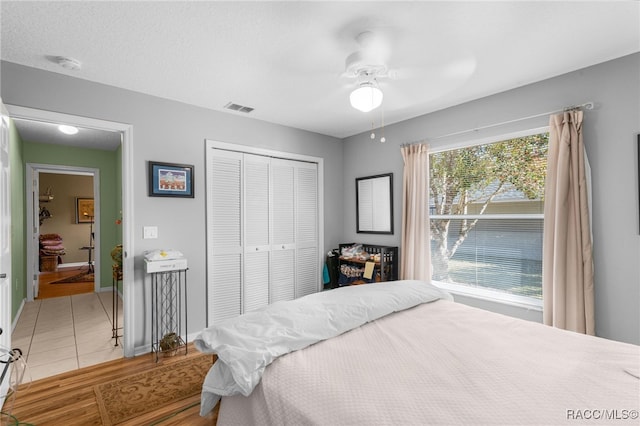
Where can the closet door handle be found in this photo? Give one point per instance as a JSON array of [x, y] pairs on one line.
[[3, 275]]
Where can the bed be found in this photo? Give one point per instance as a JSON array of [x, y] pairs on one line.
[[403, 353]]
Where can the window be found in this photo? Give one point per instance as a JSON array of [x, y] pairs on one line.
[[487, 214]]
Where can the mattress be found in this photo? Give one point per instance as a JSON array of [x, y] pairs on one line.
[[445, 363], [247, 344]]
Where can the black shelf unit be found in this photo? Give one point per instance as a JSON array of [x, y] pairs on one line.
[[386, 269]]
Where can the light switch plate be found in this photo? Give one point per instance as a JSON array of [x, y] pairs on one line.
[[150, 232]]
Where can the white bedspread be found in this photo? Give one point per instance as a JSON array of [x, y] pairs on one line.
[[247, 344], [445, 363]]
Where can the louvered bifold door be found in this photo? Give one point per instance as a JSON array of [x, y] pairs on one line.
[[224, 243], [307, 250], [283, 229], [256, 232]]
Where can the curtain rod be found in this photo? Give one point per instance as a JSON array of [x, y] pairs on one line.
[[587, 105]]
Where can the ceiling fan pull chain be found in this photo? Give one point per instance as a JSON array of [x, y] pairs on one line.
[[382, 139]]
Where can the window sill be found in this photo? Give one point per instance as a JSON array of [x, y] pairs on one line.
[[528, 303]]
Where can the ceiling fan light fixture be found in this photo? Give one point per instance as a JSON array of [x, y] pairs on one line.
[[367, 97]]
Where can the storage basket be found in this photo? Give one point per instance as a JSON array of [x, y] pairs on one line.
[[48, 263]]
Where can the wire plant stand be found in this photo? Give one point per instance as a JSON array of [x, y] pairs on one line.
[[168, 312], [115, 300]]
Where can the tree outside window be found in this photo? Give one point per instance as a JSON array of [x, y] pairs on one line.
[[486, 207]]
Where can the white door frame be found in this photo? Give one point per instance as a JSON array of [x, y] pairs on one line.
[[32, 176], [127, 201], [5, 250]]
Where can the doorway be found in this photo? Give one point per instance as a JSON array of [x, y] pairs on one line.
[[60, 220], [65, 237], [124, 176]]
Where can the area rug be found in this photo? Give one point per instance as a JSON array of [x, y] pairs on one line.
[[132, 396], [79, 278]]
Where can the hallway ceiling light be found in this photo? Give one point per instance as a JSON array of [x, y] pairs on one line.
[[68, 130], [366, 97]]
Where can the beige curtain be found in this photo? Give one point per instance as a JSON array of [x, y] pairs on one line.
[[567, 284], [415, 261]]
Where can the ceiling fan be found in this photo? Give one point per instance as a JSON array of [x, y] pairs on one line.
[[371, 57], [367, 65]]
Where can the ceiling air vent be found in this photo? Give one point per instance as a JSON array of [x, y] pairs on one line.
[[239, 108]]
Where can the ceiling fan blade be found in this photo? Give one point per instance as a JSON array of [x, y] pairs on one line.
[[461, 68]]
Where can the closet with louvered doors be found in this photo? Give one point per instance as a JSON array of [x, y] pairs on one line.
[[262, 231]]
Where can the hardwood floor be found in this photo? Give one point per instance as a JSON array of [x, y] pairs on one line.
[[48, 290], [69, 398]]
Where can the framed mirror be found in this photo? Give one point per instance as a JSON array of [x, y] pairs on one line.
[[374, 204]]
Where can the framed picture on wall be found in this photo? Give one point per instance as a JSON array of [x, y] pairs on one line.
[[84, 210], [170, 180]]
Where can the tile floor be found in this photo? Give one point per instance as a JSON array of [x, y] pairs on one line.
[[66, 333]]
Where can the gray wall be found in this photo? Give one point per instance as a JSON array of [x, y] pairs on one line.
[[610, 137], [170, 131]]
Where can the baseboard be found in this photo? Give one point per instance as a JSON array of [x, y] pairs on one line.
[[145, 349], [17, 317], [71, 265], [110, 290]]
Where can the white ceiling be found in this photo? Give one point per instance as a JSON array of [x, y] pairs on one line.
[[44, 132], [286, 59]]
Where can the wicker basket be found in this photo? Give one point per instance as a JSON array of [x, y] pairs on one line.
[[170, 344], [48, 263]]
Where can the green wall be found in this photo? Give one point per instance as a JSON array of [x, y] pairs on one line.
[[118, 154], [118, 183], [18, 234], [107, 163]]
